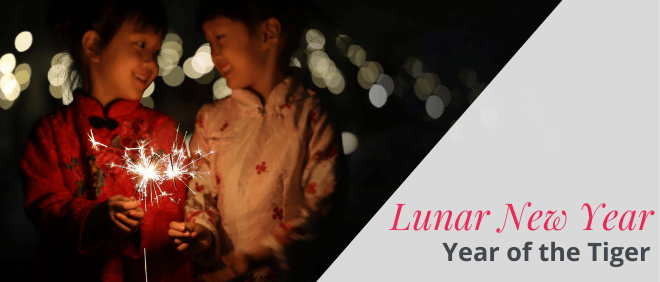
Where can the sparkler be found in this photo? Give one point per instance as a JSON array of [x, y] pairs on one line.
[[151, 170]]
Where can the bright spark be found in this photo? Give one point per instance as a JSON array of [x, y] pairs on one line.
[[150, 170], [95, 145]]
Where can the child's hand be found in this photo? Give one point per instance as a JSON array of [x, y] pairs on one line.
[[125, 214], [190, 237]]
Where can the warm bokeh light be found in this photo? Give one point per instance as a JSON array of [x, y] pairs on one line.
[[57, 75], [56, 91], [343, 43], [369, 73], [315, 39], [318, 81], [170, 54], [67, 96], [189, 70], [377, 95], [202, 62], [434, 107], [23, 41], [149, 90], [295, 62], [357, 55], [220, 89], [10, 87], [5, 104], [335, 81], [318, 63], [349, 142], [175, 77], [23, 72], [425, 84], [444, 94], [7, 63], [413, 66], [147, 102], [63, 58]]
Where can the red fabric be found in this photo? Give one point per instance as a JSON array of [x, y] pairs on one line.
[[64, 177]]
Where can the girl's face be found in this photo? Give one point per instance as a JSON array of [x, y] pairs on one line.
[[237, 53], [127, 65]]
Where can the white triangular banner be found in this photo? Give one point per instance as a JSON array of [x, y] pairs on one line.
[[571, 119]]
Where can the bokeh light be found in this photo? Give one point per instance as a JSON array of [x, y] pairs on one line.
[[7, 63], [220, 89], [343, 43], [295, 62], [5, 104], [413, 66], [434, 107], [202, 62], [189, 70], [377, 95], [63, 58], [369, 73], [335, 81], [23, 72], [147, 102], [56, 91], [23, 41], [57, 74], [425, 84], [357, 55], [349, 142], [315, 39], [170, 54], [444, 94], [175, 77], [318, 81], [149, 90], [10, 87], [67, 95]]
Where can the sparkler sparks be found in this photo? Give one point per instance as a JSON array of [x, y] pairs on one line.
[[95, 145], [150, 169]]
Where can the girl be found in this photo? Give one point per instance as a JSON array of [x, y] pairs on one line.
[[82, 206], [273, 170]]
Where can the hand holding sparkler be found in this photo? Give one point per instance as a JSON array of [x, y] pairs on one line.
[[125, 214], [190, 237]]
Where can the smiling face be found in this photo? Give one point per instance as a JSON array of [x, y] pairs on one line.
[[237, 53], [127, 65]]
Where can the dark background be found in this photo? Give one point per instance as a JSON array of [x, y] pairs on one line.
[[445, 35]]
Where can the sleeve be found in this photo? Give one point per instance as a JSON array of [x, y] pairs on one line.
[[201, 205], [319, 181], [47, 202]]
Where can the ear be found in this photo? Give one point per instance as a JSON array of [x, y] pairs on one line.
[[271, 31], [91, 45]]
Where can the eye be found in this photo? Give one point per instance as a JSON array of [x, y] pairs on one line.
[[140, 44], [218, 37]]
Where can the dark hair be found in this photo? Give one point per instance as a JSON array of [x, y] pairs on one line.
[[69, 20], [294, 16]]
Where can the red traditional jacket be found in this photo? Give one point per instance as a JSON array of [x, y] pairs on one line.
[[64, 177]]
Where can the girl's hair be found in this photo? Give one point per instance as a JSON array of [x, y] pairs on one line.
[[69, 20], [293, 15]]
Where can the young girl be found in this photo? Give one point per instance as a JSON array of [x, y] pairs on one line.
[[92, 228], [273, 170]]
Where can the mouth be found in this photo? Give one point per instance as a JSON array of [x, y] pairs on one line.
[[224, 70], [142, 77]]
